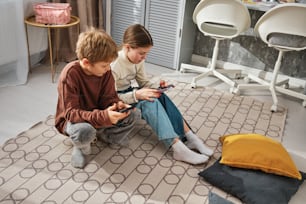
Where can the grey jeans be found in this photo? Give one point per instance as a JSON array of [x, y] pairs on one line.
[[82, 134]]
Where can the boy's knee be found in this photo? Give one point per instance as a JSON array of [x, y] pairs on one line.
[[83, 134], [136, 115], [131, 119]]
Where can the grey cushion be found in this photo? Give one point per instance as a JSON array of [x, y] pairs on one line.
[[216, 199], [252, 186], [282, 39]]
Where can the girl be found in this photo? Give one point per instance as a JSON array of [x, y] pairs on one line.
[[156, 108]]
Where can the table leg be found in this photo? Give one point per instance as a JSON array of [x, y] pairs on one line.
[[28, 47], [51, 54], [56, 45]]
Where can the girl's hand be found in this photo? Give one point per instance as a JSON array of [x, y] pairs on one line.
[[163, 83], [147, 94]]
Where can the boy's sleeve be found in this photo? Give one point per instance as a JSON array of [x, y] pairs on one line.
[[73, 113]]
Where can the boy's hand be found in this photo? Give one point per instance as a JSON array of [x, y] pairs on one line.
[[127, 108], [116, 116], [120, 105]]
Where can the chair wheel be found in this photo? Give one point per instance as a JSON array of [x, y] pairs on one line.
[[273, 108], [246, 80], [286, 86], [238, 76], [235, 91]]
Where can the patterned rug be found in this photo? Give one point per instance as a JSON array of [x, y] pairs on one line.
[[35, 165]]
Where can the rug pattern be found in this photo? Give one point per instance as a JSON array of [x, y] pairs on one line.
[[35, 165]]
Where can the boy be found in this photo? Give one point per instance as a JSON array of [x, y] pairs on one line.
[[88, 104]]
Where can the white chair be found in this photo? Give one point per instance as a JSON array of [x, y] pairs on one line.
[[283, 28], [220, 20]]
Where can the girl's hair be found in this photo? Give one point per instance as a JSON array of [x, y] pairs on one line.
[[137, 36], [96, 45]]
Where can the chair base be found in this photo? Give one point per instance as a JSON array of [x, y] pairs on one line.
[[281, 87], [273, 85], [212, 69], [219, 73]]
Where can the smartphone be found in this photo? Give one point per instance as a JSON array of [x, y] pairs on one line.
[[127, 109], [163, 89]]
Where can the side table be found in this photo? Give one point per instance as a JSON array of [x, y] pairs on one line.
[[74, 21]]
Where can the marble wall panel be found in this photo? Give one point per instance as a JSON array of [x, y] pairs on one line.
[[249, 50]]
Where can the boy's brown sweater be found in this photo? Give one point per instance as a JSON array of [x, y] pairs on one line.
[[84, 98]]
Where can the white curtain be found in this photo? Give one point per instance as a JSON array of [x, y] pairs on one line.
[[13, 47]]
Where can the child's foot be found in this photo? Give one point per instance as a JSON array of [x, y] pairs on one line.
[[77, 158], [194, 142], [182, 153]]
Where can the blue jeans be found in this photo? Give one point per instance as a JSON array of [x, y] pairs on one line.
[[174, 114], [164, 118]]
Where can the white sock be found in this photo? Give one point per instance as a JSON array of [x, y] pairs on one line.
[[182, 153], [194, 142], [77, 158]]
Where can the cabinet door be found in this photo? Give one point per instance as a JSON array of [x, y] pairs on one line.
[[163, 19], [123, 14]]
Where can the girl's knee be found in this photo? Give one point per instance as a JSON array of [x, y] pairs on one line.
[[150, 104]]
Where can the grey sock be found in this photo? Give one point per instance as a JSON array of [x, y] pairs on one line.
[[77, 158], [86, 149]]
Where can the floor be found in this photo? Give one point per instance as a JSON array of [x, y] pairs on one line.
[[23, 106]]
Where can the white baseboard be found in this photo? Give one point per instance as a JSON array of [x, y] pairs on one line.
[[294, 82]]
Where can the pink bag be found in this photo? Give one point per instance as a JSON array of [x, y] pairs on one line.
[[52, 13]]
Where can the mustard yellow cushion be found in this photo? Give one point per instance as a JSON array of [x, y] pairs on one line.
[[254, 151]]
